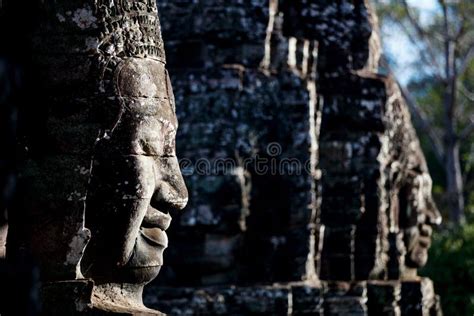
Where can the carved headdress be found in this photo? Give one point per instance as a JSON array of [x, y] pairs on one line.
[[130, 28]]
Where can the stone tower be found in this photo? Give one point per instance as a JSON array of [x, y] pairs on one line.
[[98, 174], [370, 206]]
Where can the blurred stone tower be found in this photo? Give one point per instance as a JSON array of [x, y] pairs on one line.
[[377, 209], [247, 222], [247, 140], [344, 237]]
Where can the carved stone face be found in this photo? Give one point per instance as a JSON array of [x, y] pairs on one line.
[[136, 180], [418, 215]]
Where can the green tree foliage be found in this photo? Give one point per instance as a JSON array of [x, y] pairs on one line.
[[440, 92], [451, 267]]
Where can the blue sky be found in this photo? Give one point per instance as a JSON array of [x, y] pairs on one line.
[[399, 47], [424, 4]]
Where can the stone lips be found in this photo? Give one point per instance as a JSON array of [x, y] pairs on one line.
[[155, 218]]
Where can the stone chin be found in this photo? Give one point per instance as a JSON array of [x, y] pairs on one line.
[[419, 257], [419, 241], [144, 264], [147, 257]]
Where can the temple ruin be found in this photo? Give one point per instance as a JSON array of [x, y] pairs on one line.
[[271, 131]]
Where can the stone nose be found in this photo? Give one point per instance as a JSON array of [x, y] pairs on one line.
[[433, 216], [170, 193]]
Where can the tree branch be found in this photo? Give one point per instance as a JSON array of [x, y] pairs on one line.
[[467, 94], [428, 60], [462, 28], [467, 60], [422, 34], [424, 123], [412, 19], [468, 130]]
